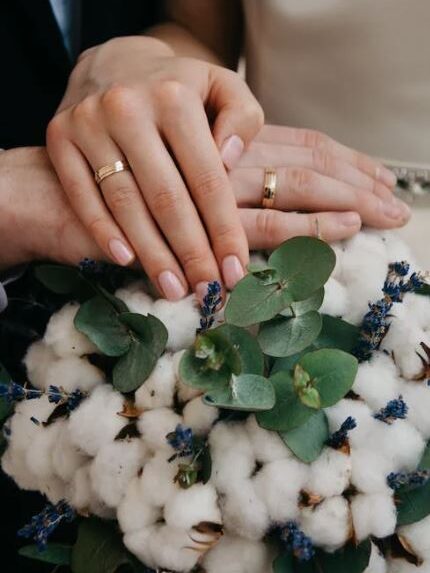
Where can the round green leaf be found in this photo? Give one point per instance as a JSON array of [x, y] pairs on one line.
[[193, 372], [308, 440], [149, 330], [63, 279], [252, 301], [98, 319], [55, 553], [133, 368], [332, 372], [413, 505], [337, 333], [288, 412], [314, 302], [245, 392], [425, 460], [305, 263], [287, 336], [289, 362], [248, 349], [350, 559], [283, 563]]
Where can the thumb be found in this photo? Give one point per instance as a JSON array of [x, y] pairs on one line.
[[238, 116]]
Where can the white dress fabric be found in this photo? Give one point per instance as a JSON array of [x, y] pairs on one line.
[[358, 70]]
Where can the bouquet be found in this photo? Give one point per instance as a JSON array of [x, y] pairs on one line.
[[284, 432]]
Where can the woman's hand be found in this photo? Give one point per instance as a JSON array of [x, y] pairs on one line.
[[338, 189], [131, 99]]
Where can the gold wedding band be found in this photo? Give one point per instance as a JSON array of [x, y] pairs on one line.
[[111, 169], [269, 190]]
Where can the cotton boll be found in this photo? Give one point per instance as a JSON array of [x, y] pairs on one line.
[[53, 488], [370, 470], [279, 484], [338, 249], [39, 359], [417, 535], [397, 249], [200, 417], [154, 425], [188, 507], [377, 381], [330, 473], [403, 340], [328, 524], [402, 566], [237, 555], [39, 454], [13, 463], [181, 318], [366, 424], [400, 442], [417, 397], [134, 512], [418, 308], [232, 455], [22, 427], [114, 466], [373, 514], [244, 512], [64, 339], [97, 421], [158, 390], [336, 299], [66, 457], [81, 495], [136, 298], [267, 446], [157, 482], [377, 563], [74, 373]]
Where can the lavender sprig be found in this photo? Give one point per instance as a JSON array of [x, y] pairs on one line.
[[412, 479], [339, 438], [394, 410], [211, 302], [181, 440], [297, 542], [14, 392], [44, 523]]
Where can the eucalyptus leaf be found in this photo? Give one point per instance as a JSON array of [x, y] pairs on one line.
[[332, 372], [248, 349], [193, 372], [350, 559], [314, 302], [118, 304], [247, 392], [150, 331], [308, 440], [62, 279], [282, 336], [6, 407], [99, 548], [337, 333], [252, 301], [288, 412], [305, 263], [98, 320], [55, 553], [133, 368], [425, 459], [413, 504], [283, 563], [267, 275], [289, 362]]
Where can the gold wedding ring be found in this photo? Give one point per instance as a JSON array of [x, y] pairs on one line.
[[269, 190], [111, 169]]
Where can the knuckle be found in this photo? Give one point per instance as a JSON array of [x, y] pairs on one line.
[[56, 129], [118, 100], [121, 197], [209, 184], [171, 93], [315, 139], [266, 225], [323, 161], [97, 226], [75, 190], [299, 180], [313, 225], [165, 200], [84, 111], [226, 234], [194, 258]]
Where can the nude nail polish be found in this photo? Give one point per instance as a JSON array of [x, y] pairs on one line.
[[171, 286], [120, 252], [232, 271], [231, 151]]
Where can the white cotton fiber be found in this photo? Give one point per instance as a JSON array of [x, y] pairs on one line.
[[63, 337], [23, 429], [361, 413], [136, 299], [134, 512], [114, 466], [66, 457], [399, 442], [279, 484], [338, 249], [418, 309], [189, 507], [373, 514], [370, 470], [402, 566], [39, 359], [154, 425], [97, 421], [328, 524], [181, 318], [237, 555], [232, 455], [14, 464], [418, 537], [39, 453], [336, 300], [198, 416], [53, 488], [377, 381], [267, 446], [377, 563], [397, 249], [330, 474], [81, 495], [159, 388], [403, 340], [417, 397], [244, 512], [74, 373], [157, 481]]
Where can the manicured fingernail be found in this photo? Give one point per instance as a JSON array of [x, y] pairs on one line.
[[386, 176], [396, 209], [232, 271], [231, 151], [120, 252], [171, 286], [201, 291], [350, 219]]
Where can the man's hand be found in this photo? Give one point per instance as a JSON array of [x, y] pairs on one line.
[[36, 220]]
